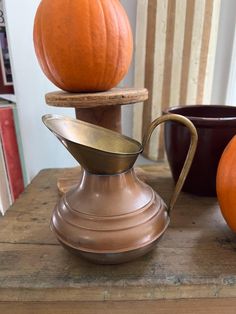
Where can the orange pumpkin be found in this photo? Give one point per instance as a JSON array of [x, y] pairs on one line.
[[83, 45], [226, 184]]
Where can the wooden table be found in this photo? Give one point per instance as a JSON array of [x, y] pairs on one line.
[[192, 269]]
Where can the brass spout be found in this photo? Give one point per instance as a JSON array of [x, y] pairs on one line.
[[98, 150]]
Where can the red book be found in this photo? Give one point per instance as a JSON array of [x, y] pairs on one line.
[[10, 151]]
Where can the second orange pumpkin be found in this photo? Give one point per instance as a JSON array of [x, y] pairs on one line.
[[83, 45], [226, 184]]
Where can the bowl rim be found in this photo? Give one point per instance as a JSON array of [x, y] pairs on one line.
[[228, 121]]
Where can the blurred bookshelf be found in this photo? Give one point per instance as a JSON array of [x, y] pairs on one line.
[[12, 165], [12, 168], [9, 97]]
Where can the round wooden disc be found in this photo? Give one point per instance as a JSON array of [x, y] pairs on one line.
[[116, 96]]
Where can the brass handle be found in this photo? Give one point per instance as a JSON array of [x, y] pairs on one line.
[[191, 151]]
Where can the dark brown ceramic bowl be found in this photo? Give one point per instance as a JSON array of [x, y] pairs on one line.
[[215, 125]]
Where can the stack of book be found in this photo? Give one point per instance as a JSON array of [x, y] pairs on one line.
[[11, 156], [11, 159]]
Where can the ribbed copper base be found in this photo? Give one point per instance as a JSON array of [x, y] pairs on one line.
[[110, 219]]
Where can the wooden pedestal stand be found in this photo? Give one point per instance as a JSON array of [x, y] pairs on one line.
[[103, 109]]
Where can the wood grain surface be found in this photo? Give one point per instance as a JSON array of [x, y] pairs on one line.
[[116, 96], [195, 306], [195, 259]]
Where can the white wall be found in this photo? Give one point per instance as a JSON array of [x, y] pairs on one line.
[[224, 51], [231, 90], [127, 111]]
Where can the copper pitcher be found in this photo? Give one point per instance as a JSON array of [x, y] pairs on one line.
[[111, 216]]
